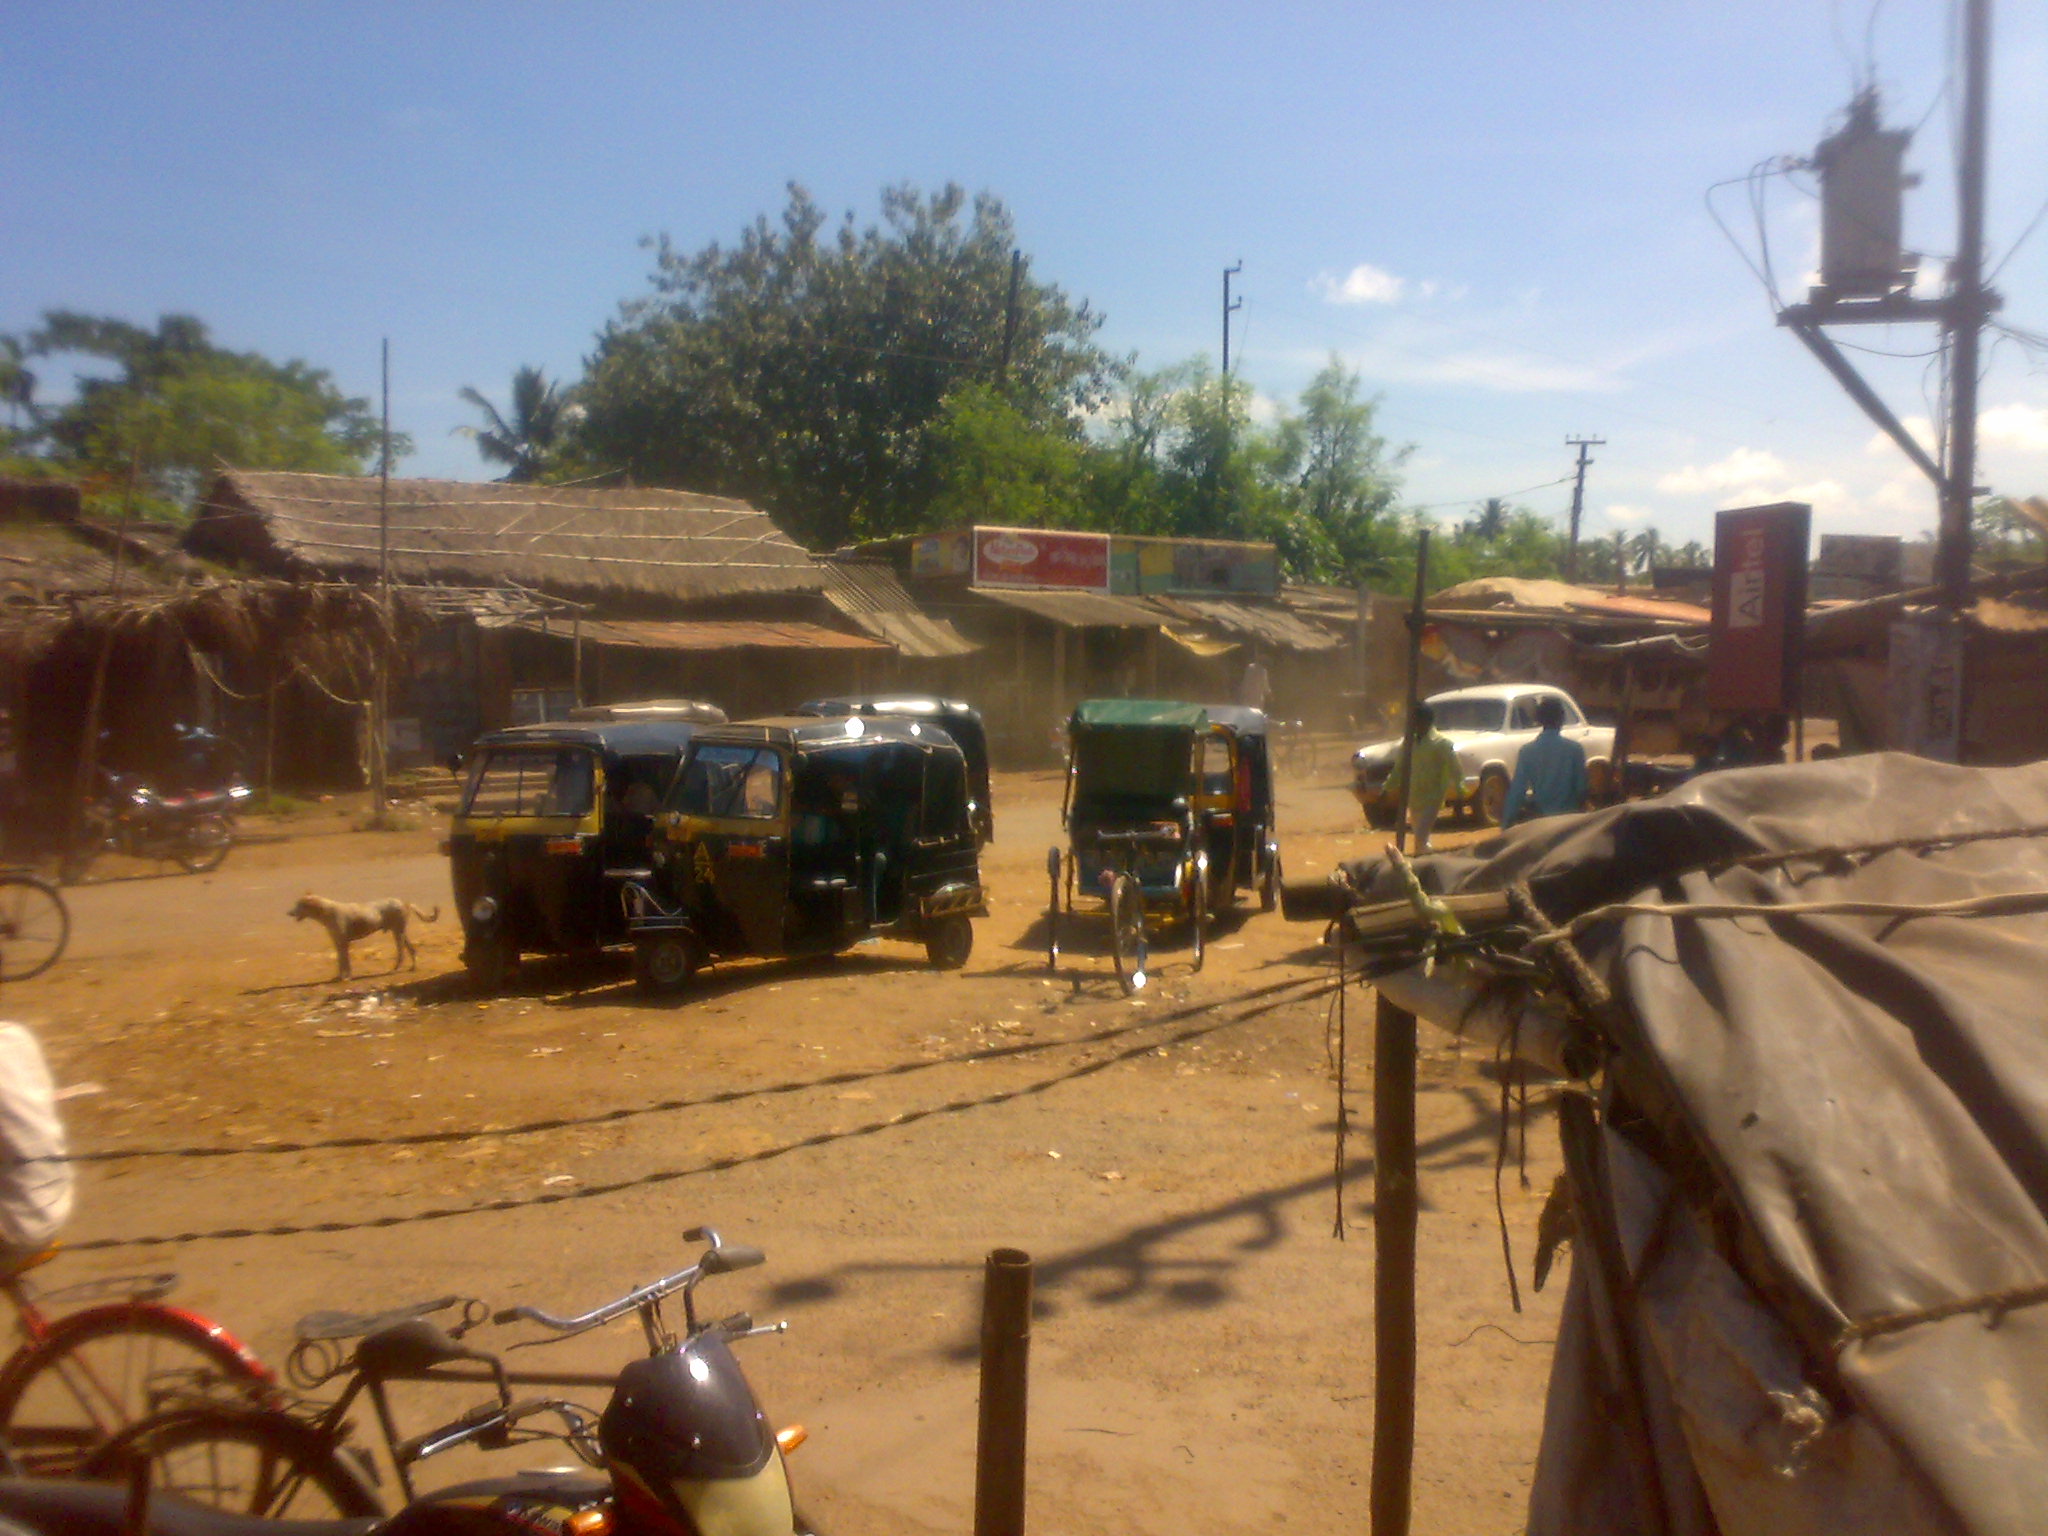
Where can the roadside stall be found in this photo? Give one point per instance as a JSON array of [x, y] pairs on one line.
[[1796, 1010]]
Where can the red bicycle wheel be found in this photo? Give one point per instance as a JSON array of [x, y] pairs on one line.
[[97, 1371]]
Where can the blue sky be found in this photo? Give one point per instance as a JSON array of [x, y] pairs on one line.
[[1495, 212]]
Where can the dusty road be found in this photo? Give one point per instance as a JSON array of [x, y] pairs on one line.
[[1202, 1357]]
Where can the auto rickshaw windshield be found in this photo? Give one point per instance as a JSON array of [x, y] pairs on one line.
[[722, 780], [532, 781]]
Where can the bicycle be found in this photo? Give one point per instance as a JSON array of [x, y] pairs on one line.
[[80, 1378], [680, 1425], [35, 925], [295, 1458]]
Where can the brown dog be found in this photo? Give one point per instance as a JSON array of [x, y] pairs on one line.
[[346, 922]]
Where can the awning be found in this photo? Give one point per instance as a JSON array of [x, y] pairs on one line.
[[869, 594], [1274, 625], [1077, 610], [1195, 643], [707, 635]]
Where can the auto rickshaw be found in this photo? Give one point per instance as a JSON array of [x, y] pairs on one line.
[[960, 721], [548, 814], [805, 836], [1239, 822]]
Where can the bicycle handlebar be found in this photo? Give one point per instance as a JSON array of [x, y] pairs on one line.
[[718, 1261]]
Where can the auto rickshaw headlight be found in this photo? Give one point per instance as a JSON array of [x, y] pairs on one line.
[[483, 909]]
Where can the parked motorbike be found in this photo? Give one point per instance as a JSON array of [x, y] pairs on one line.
[[686, 1449], [193, 828]]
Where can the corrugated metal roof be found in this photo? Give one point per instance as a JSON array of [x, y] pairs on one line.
[[708, 635], [1077, 610], [1517, 594], [868, 593], [1274, 625]]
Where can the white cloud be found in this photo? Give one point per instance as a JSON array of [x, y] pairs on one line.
[[1626, 514], [2022, 428], [1365, 284], [1523, 375], [1919, 428], [1742, 468]]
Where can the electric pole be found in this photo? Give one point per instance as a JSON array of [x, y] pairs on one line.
[[1228, 308], [1010, 317], [1966, 311], [380, 683], [1571, 548]]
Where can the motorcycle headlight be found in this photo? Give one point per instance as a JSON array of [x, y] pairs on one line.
[[483, 909]]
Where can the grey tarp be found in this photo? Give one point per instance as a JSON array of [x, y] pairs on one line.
[[1815, 1121]]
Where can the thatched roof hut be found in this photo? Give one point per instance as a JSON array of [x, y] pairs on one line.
[[611, 545]]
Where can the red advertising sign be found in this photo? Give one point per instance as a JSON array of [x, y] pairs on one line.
[[1034, 557], [1759, 607]]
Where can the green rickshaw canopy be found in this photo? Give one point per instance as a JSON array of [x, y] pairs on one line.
[[1139, 712]]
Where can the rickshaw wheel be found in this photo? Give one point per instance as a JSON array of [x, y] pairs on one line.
[[491, 963], [664, 964], [1269, 882], [1127, 932], [948, 941], [1052, 911], [1198, 909]]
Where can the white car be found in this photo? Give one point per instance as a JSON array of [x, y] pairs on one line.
[[1488, 726]]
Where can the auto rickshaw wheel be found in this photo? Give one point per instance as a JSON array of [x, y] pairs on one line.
[[1198, 909], [664, 963], [491, 963], [1127, 932], [948, 941], [1269, 882]]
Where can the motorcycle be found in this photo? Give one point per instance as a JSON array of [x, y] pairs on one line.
[[195, 829], [686, 1448]]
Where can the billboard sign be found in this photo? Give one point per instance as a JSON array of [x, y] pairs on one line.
[[942, 554], [1037, 557], [1759, 607]]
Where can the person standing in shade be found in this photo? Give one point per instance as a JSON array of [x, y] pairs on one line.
[[1422, 794], [1550, 775], [1256, 686]]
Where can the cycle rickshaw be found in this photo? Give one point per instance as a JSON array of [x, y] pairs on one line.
[[1169, 813]]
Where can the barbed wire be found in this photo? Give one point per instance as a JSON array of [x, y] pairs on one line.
[[1315, 988]]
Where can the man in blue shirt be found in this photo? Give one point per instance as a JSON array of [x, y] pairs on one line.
[[1551, 772]]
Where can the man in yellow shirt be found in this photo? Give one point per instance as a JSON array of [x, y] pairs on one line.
[[1436, 774]]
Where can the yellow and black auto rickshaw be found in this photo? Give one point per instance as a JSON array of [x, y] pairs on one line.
[[806, 836], [550, 816]]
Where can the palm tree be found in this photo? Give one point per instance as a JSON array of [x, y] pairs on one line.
[[1489, 522], [1644, 549], [523, 442]]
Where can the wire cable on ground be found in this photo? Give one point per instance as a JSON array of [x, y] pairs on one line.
[[724, 1164], [671, 1106]]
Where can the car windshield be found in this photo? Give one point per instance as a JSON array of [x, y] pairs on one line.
[[1469, 714], [532, 781]]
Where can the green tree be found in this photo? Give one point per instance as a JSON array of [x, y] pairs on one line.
[[994, 464], [2008, 533], [1342, 479], [524, 441], [165, 408], [807, 368]]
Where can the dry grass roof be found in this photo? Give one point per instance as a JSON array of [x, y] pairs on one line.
[[576, 542]]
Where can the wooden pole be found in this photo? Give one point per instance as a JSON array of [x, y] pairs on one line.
[[1407, 758], [380, 692], [1005, 1380], [95, 699], [1394, 1209]]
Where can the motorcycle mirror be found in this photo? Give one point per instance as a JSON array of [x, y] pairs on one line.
[[723, 1261]]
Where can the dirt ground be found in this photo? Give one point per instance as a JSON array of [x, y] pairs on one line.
[[1202, 1356]]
